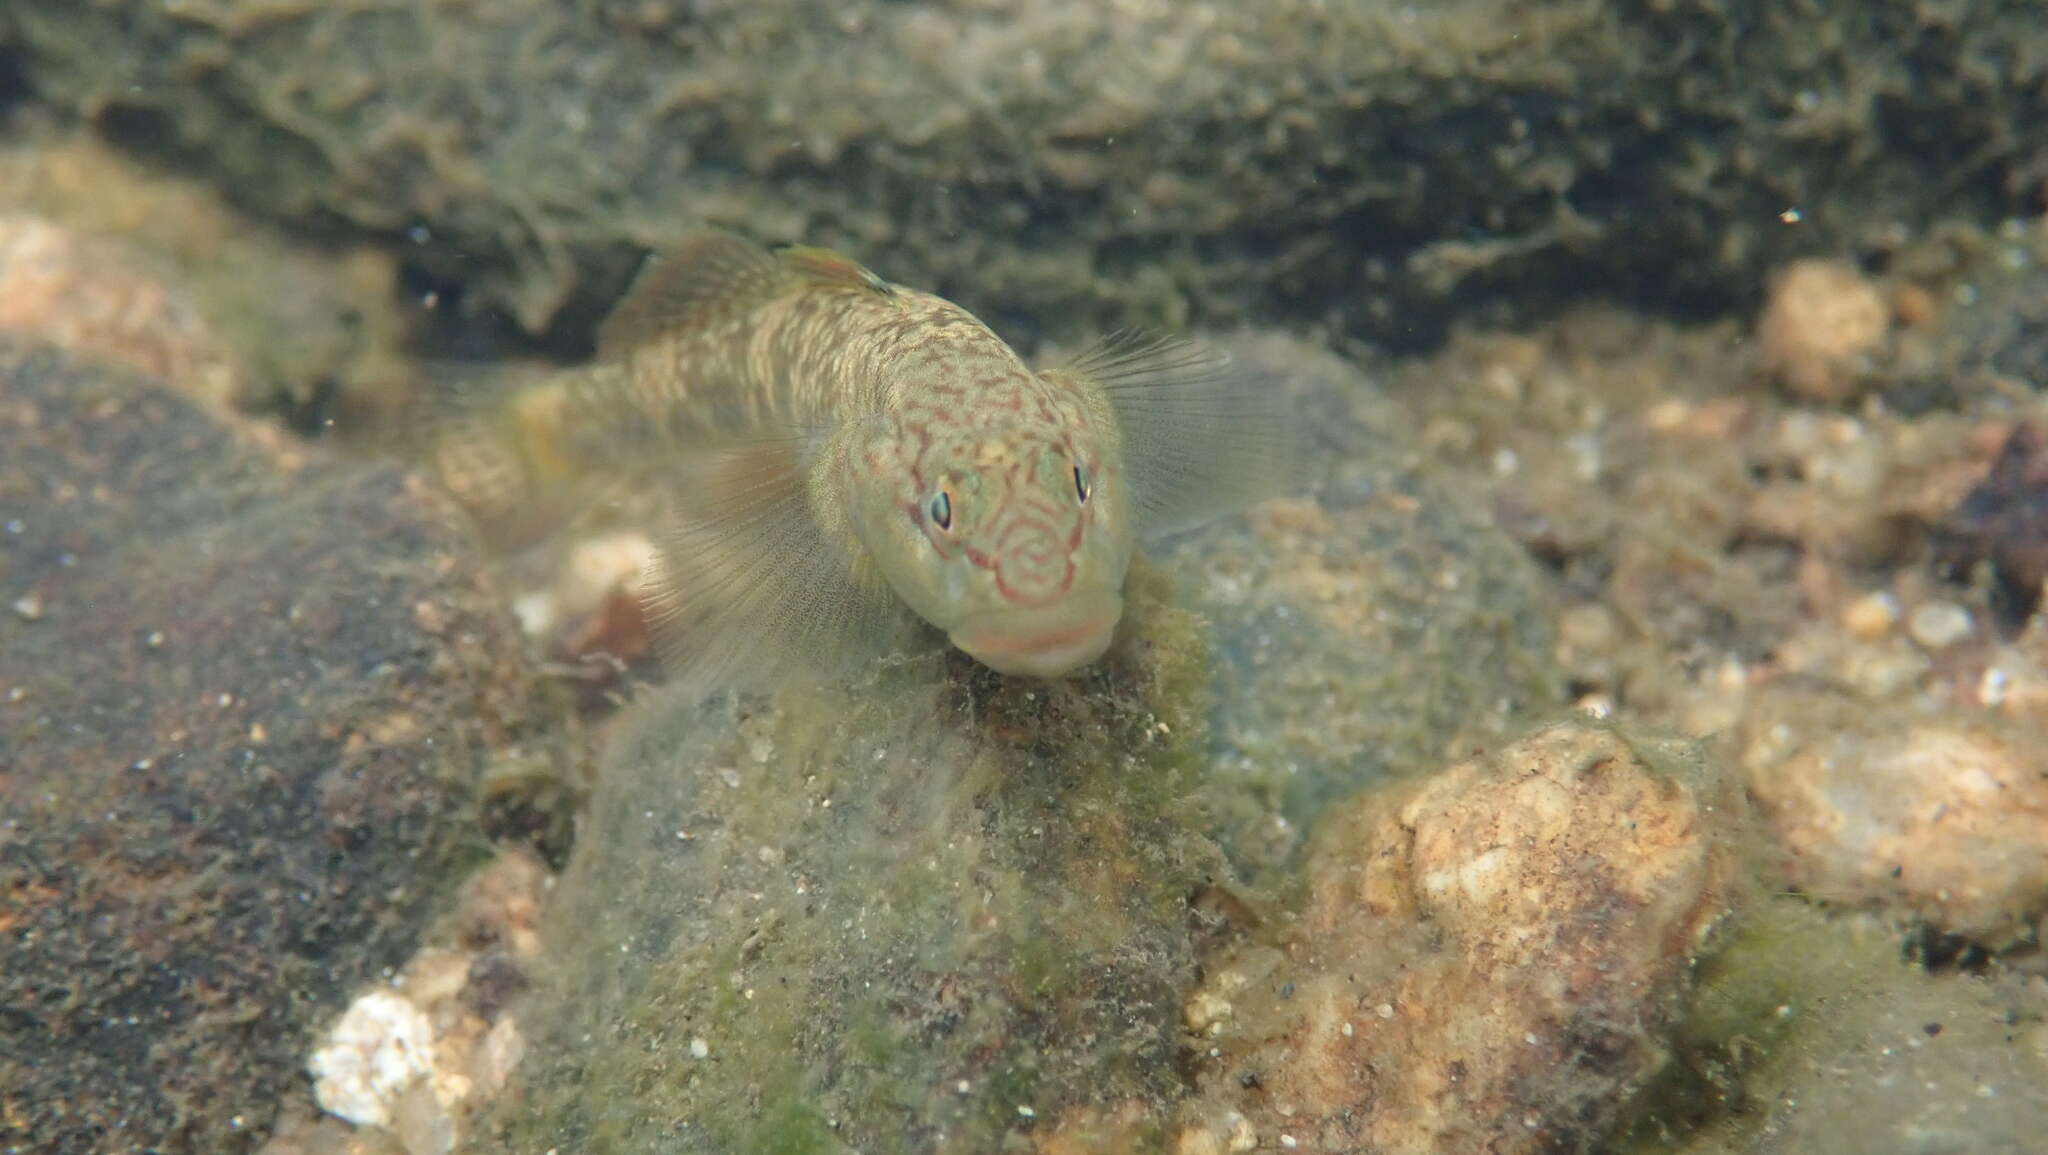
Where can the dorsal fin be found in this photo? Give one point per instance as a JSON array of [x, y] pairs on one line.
[[715, 275], [831, 270], [707, 277]]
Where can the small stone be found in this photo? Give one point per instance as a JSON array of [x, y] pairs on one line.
[[699, 1049], [381, 1045], [1204, 1009], [1823, 324], [1937, 625], [29, 608], [500, 1051], [1871, 616], [1589, 627]]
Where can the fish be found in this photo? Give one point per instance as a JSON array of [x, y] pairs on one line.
[[851, 465]]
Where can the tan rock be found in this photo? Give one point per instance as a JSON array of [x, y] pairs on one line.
[[1489, 955], [1940, 820], [1821, 328], [98, 299]]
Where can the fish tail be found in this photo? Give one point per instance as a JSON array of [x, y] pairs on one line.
[[506, 452]]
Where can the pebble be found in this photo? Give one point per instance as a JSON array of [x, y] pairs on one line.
[[1871, 616], [1937, 625], [380, 1046], [1589, 627]]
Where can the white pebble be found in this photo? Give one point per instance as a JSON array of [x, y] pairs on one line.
[[381, 1044]]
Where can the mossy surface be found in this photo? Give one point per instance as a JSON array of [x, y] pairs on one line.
[[921, 912], [243, 702], [1070, 164], [1811, 1033]]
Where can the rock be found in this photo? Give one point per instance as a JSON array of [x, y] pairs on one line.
[[1810, 1034], [107, 256], [239, 751], [2004, 520], [1491, 956], [1940, 820], [926, 911], [935, 910], [93, 298], [1823, 325], [1075, 163], [1363, 629]]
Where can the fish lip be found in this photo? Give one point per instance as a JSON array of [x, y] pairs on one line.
[[1046, 642]]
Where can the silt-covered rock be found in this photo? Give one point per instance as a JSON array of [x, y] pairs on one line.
[[244, 695], [1069, 163]]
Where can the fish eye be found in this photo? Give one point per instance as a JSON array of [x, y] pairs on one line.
[[941, 509], [1081, 489]]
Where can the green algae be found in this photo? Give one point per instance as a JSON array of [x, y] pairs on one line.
[[1812, 1032], [937, 909]]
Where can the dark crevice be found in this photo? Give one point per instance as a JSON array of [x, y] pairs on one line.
[[13, 79]]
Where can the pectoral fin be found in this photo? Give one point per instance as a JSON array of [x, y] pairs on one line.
[[1200, 437], [748, 591]]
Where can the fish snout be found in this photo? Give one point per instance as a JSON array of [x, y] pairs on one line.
[[1043, 642]]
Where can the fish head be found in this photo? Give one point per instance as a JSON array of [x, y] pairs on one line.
[[1013, 538]]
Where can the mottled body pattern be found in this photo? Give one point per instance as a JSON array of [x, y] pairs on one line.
[[838, 449]]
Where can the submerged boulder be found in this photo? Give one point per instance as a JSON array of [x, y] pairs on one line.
[[1068, 163], [245, 693]]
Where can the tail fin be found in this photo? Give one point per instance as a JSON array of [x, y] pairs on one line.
[[498, 443]]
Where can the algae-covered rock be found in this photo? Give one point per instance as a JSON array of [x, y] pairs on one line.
[[1067, 162], [1366, 627], [936, 910], [1490, 959], [1811, 1034], [244, 695], [926, 912]]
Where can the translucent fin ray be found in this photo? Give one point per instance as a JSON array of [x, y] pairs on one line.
[[748, 591], [831, 269], [1201, 437], [706, 278]]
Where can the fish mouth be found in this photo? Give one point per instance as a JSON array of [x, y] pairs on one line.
[[1047, 642]]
